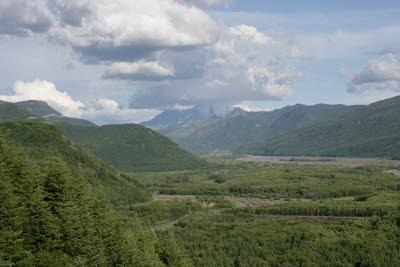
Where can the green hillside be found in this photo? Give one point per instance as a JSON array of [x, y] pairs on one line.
[[242, 131], [10, 111], [50, 216], [371, 131], [42, 109], [40, 141], [131, 147]]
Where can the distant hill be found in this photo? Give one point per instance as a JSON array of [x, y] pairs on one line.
[[131, 147], [370, 131], [39, 141], [128, 147], [9, 111], [242, 131], [42, 109], [170, 117]]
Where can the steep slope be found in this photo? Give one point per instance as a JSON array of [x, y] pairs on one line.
[[10, 111], [42, 109], [51, 217], [373, 130], [131, 147], [40, 141], [243, 131], [169, 117]]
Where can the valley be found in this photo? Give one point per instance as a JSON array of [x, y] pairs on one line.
[[286, 206], [223, 209], [338, 161], [199, 133]]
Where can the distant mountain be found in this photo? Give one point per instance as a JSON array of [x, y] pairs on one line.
[[370, 131], [9, 111], [128, 147], [170, 117], [40, 141], [243, 131], [131, 147], [42, 109]]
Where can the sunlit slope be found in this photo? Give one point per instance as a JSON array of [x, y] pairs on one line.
[[243, 131], [42, 109], [131, 147], [39, 141], [371, 131], [9, 111]]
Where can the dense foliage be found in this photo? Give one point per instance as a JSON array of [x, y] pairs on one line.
[[232, 240], [242, 131], [50, 217], [131, 147], [40, 141], [371, 131], [156, 211]]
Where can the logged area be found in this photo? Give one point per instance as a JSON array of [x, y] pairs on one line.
[[339, 161], [238, 213]]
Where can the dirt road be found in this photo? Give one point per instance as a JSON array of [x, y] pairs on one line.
[[349, 162]]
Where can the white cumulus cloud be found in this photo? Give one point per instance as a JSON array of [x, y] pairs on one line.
[[250, 34], [125, 29], [45, 91], [378, 74], [98, 110], [176, 54], [207, 3], [139, 70]]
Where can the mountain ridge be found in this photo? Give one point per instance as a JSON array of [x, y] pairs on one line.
[[240, 130], [39, 141], [128, 147], [44, 110], [370, 131], [131, 147], [170, 117]]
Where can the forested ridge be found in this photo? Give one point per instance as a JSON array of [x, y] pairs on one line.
[[51, 216], [242, 131], [40, 140], [370, 131], [131, 147], [127, 147]]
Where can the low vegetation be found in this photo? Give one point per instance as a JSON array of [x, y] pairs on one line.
[[308, 215], [264, 180]]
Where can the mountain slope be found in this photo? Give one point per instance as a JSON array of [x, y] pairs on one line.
[[243, 131], [40, 141], [169, 117], [373, 130], [9, 111], [42, 109], [131, 147], [51, 217]]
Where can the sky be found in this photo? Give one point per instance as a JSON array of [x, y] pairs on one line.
[[126, 61]]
